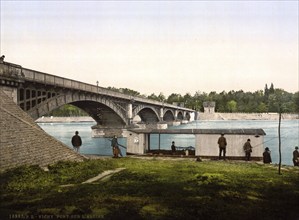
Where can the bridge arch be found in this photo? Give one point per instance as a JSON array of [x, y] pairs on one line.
[[104, 111], [180, 115], [147, 114], [168, 115]]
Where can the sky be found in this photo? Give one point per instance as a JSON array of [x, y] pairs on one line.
[[157, 46]]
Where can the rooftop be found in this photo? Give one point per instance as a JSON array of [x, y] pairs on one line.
[[253, 131]]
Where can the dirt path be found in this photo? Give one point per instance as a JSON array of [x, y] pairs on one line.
[[101, 176]]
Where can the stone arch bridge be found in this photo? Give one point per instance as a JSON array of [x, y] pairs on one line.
[[38, 93]]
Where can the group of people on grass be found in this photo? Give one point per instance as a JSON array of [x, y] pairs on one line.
[[248, 150]]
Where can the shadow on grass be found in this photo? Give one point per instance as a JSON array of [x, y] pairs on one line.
[[160, 190]]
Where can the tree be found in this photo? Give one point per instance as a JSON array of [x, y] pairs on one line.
[[153, 97], [262, 107], [271, 90], [296, 102], [232, 106], [266, 94], [161, 97], [174, 97], [188, 101], [125, 91], [67, 111], [279, 103]]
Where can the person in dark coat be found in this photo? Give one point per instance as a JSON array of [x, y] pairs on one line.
[[173, 147], [222, 146], [267, 156], [296, 156], [76, 141], [248, 149], [115, 149]]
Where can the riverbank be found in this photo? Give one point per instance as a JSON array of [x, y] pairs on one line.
[[53, 119], [202, 116], [246, 116]]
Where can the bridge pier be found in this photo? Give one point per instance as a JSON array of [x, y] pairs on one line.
[[173, 123], [100, 131]]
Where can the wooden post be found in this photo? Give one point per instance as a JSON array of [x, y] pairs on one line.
[[279, 143], [159, 141]]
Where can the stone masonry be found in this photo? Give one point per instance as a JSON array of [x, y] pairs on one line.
[[23, 142]]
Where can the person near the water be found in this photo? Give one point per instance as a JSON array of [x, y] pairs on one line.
[[115, 149], [248, 149], [76, 141], [173, 147], [296, 156], [222, 146], [267, 156]]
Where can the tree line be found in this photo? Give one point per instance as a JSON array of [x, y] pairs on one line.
[[262, 101]]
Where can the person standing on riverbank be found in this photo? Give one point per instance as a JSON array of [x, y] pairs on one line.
[[267, 156], [76, 141], [296, 156], [222, 146], [115, 149], [248, 149], [173, 147]]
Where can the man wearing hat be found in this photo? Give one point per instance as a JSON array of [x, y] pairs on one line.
[[248, 149], [222, 145], [296, 156], [76, 141], [173, 147], [267, 156]]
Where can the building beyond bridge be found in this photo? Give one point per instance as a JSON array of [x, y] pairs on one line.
[[39, 93]]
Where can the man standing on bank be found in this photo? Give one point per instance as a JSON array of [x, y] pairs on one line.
[[296, 156], [173, 148], [248, 149], [115, 149], [267, 156], [76, 141], [222, 146]]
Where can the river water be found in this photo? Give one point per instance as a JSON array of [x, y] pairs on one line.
[[101, 146]]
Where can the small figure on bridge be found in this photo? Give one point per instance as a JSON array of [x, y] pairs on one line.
[[173, 147], [115, 149], [222, 146], [248, 149], [2, 58], [267, 156], [76, 141]]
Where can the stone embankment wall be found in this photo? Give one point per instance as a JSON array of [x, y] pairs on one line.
[[22, 141], [53, 119], [246, 116]]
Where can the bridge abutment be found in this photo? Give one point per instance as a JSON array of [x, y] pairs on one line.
[[11, 92]]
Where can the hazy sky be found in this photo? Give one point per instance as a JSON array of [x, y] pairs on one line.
[[157, 46]]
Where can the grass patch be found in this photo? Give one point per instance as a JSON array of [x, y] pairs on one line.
[[151, 189]]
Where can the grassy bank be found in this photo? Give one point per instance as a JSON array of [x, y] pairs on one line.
[[151, 189]]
